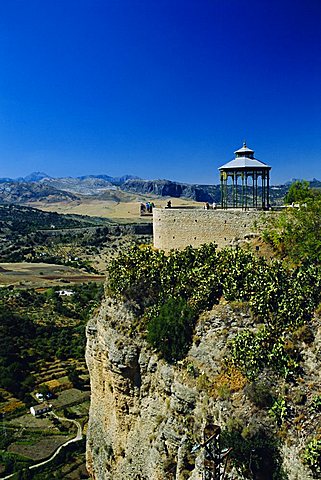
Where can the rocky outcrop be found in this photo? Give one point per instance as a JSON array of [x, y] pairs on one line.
[[147, 415], [167, 188]]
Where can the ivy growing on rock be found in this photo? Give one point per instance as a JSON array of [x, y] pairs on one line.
[[312, 456], [280, 299]]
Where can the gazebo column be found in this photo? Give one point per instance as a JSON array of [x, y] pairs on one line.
[[236, 199], [253, 190], [229, 196], [245, 191], [233, 190], [256, 177], [242, 194]]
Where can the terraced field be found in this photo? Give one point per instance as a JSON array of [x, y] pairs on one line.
[[44, 274]]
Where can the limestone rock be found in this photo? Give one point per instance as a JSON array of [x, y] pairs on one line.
[[147, 415]]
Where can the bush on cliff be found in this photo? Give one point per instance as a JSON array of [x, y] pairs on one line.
[[149, 277], [294, 234], [254, 453], [171, 330]]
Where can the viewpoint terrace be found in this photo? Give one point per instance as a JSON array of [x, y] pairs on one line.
[[243, 202]]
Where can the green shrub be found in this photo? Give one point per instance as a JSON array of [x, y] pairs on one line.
[[299, 191], [260, 393], [295, 233], [170, 332], [316, 403], [279, 410], [254, 454], [312, 456]]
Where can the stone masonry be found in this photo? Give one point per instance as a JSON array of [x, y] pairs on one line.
[[178, 227]]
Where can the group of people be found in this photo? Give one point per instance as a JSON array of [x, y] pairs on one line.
[[146, 207], [207, 206]]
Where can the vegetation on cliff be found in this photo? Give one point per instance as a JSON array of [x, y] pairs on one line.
[[281, 300], [174, 326], [294, 234], [282, 297]]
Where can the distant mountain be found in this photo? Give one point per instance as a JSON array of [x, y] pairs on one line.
[[35, 177], [314, 183], [167, 188], [88, 185], [16, 192], [7, 180], [114, 180], [32, 177]]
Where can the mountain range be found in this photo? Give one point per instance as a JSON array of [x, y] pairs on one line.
[[38, 186], [37, 176]]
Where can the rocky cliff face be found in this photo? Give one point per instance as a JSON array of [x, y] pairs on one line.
[[147, 415], [167, 188]]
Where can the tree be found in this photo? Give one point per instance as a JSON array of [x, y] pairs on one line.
[[24, 474], [295, 233], [44, 389], [171, 330], [73, 375], [299, 192]]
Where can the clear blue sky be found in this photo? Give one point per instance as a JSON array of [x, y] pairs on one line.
[[159, 88]]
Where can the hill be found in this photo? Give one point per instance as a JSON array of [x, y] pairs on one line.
[[82, 186], [16, 192], [21, 219]]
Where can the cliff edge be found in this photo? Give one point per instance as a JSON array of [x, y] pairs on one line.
[[146, 415]]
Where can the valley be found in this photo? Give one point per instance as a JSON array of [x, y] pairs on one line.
[[52, 275]]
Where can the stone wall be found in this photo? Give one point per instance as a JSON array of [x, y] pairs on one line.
[[180, 227]]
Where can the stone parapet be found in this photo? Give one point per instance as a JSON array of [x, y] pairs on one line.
[[176, 228]]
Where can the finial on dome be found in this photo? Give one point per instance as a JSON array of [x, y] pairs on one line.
[[244, 143]]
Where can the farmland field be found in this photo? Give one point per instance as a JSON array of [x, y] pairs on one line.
[[27, 274], [123, 211]]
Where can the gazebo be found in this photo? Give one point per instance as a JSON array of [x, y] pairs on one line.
[[244, 191]]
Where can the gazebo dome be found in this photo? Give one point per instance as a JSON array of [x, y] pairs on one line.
[[244, 158], [244, 151]]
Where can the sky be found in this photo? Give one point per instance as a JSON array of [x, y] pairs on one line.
[[159, 88]]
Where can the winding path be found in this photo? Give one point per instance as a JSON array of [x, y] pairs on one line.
[[77, 438]]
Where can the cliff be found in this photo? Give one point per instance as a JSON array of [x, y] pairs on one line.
[[167, 188], [146, 415]]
